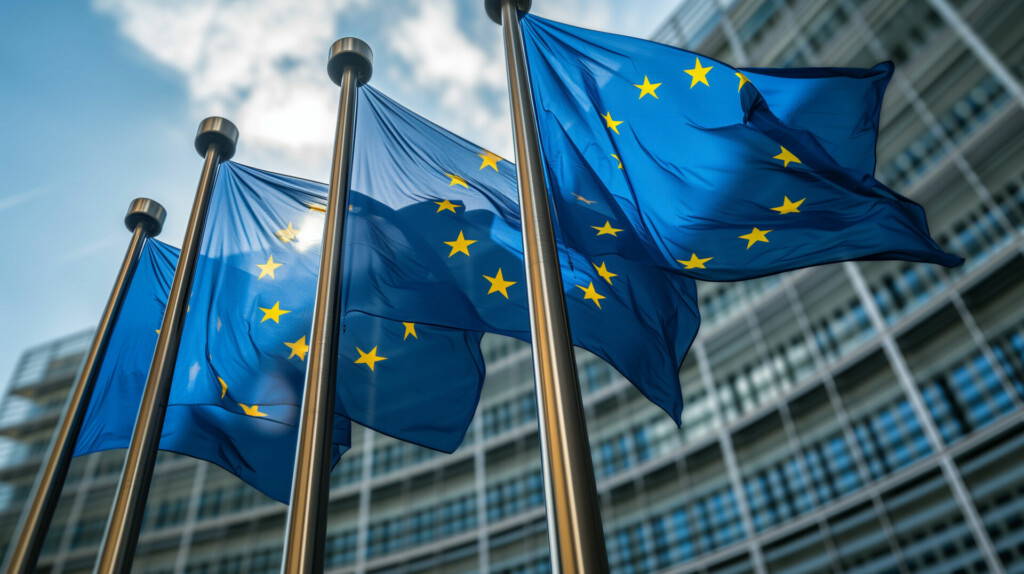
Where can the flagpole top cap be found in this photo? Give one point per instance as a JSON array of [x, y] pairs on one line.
[[493, 8], [350, 51], [147, 213], [219, 132]]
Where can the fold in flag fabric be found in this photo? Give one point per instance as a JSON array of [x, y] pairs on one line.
[[247, 336], [711, 171], [254, 442], [440, 253], [434, 236]]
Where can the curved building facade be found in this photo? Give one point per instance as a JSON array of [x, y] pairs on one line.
[[863, 417]]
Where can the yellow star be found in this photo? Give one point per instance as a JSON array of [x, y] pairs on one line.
[[369, 359], [583, 199], [603, 271], [274, 313], [267, 269], [410, 329], [647, 88], [617, 159], [317, 207], [698, 73], [460, 244], [610, 123], [743, 80], [299, 348], [489, 160], [606, 229], [786, 156], [499, 284], [157, 331], [789, 206], [287, 234], [755, 236], [445, 205], [252, 410], [590, 293], [456, 180], [223, 387], [695, 262]]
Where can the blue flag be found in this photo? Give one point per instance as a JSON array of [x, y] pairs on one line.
[[434, 236], [442, 261], [258, 449], [703, 173], [253, 301]]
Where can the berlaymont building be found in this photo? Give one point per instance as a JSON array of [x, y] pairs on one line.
[[852, 418]]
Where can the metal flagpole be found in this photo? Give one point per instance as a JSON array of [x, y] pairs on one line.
[[350, 64], [145, 218], [573, 507], [216, 142]]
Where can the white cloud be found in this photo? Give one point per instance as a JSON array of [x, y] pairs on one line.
[[259, 63], [468, 78], [464, 75], [19, 198], [632, 19]]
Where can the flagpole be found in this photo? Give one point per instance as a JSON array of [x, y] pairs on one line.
[[349, 65], [215, 142], [145, 219], [573, 507]]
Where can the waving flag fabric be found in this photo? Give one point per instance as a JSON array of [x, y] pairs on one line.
[[253, 298], [433, 236], [255, 442], [704, 174]]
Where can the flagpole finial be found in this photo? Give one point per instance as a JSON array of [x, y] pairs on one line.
[[350, 51], [147, 213], [219, 132], [493, 8]]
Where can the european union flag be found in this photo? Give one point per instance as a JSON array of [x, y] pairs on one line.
[[703, 172], [432, 244], [433, 236], [253, 301], [257, 445]]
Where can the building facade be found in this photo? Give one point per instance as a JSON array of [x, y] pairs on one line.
[[862, 417]]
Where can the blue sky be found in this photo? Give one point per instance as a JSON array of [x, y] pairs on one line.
[[101, 100]]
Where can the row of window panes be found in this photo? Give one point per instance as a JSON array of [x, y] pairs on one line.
[[230, 498], [974, 236], [890, 438], [533, 565], [674, 536], [595, 374], [509, 414], [340, 549], [824, 31], [909, 31], [645, 441], [422, 526], [997, 486], [167, 512], [727, 298], [514, 496], [779, 491], [348, 470], [846, 328], [969, 395], [959, 121], [232, 564], [397, 455], [765, 379]]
